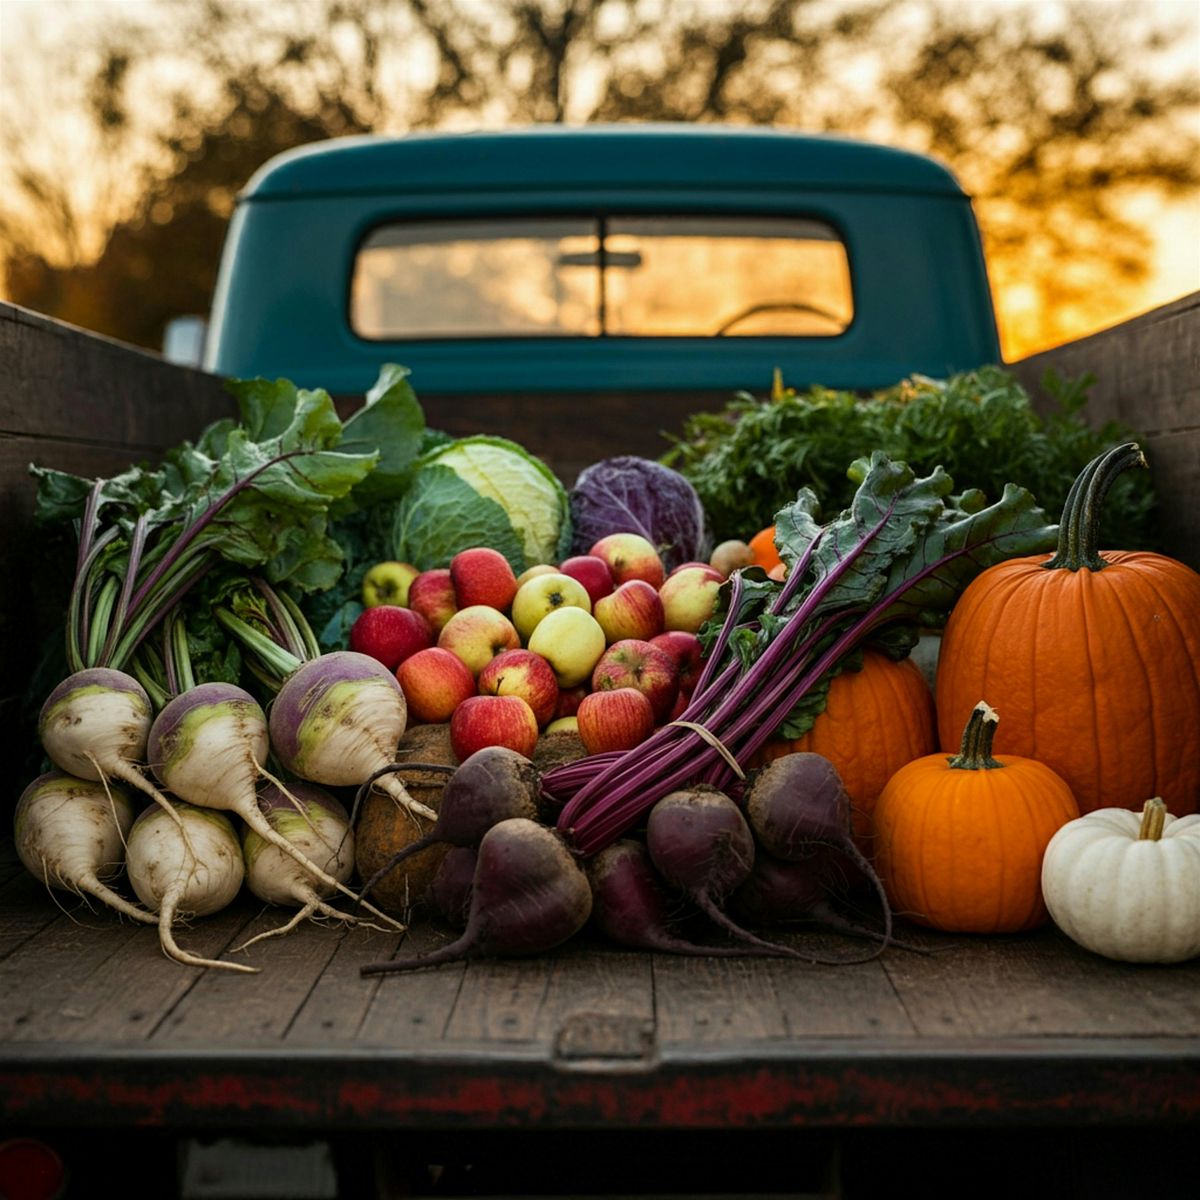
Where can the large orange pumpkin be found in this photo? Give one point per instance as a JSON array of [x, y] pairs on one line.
[[959, 840], [1093, 659], [875, 721]]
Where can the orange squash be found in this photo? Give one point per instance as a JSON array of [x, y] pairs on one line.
[[875, 721], [1093, 658], [959, 840], [762, 547]]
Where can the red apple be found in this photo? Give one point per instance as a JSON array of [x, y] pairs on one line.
[[688, 599], [525, 674], [493, 721], [617, 720], [630, 556], [390, 634], [432, 595], [477, 634], [643, 667], [632, 611], [678, 708], [592, 572], [685, 649], [569, 700], [434, 682], [482, 575], [709, 570]]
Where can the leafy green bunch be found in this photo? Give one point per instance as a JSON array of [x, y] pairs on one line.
[[751, 459]]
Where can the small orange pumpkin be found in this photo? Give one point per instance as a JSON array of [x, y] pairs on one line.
[[875, 720], [959, 840], [1094, 659]]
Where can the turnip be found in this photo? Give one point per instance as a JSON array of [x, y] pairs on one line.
[[797, 804], [528, 895], [208, 746], [317, 824], [630, 905], [94, 726], [338, 719], [491, 785], [194, 868], [701, 844], [70, 833]]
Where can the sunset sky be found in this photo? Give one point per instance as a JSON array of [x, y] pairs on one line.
[[32, 27]]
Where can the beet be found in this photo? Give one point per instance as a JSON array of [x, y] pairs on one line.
[[798, 808], [492, 785], [528, 895], [450, 889]]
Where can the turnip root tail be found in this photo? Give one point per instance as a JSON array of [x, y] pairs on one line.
[[166, 936], [314, 906]]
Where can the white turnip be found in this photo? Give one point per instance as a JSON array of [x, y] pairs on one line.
[[528, 895], [317, 824], [194, 875], [338, 720], [70, 833], [94, 726], [207, 747]]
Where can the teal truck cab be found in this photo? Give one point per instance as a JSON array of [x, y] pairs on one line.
[[535, 269]]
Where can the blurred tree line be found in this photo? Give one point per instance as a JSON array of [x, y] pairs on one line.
[[1054, 120]]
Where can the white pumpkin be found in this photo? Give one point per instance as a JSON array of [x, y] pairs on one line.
[[1126, 884]]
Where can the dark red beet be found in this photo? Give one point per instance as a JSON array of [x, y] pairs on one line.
[[701, 844], [528, 895], [450, 889], [492, 785], [630, 904], [797, 806]]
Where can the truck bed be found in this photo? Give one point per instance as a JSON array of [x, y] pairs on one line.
[[99, 1028]]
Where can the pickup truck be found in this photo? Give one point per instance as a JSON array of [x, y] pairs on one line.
[[994, 1065], [631, 272]]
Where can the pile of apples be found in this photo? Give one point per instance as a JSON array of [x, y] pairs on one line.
[[604, 644]]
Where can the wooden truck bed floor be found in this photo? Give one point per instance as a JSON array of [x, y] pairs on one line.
[[99, 1029]]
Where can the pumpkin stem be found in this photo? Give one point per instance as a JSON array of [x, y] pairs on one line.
[[1079, 528], [975, 753], [1154, 817]]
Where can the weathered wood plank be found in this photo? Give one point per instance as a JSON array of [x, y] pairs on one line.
[[128, 993], [337, 1006], [501, 1000], [1039, 985], [233, 1008], [61, 381], [709, 1001], [27, 907], [412, 1010], [1147, 375]]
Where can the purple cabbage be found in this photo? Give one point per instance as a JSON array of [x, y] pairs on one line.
[[628, 494]]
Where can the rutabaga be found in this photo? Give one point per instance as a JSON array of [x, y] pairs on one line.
[[70, 833], [317, 825], [193, 869]]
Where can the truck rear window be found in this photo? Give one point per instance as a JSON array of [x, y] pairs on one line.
[[628, 276]]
